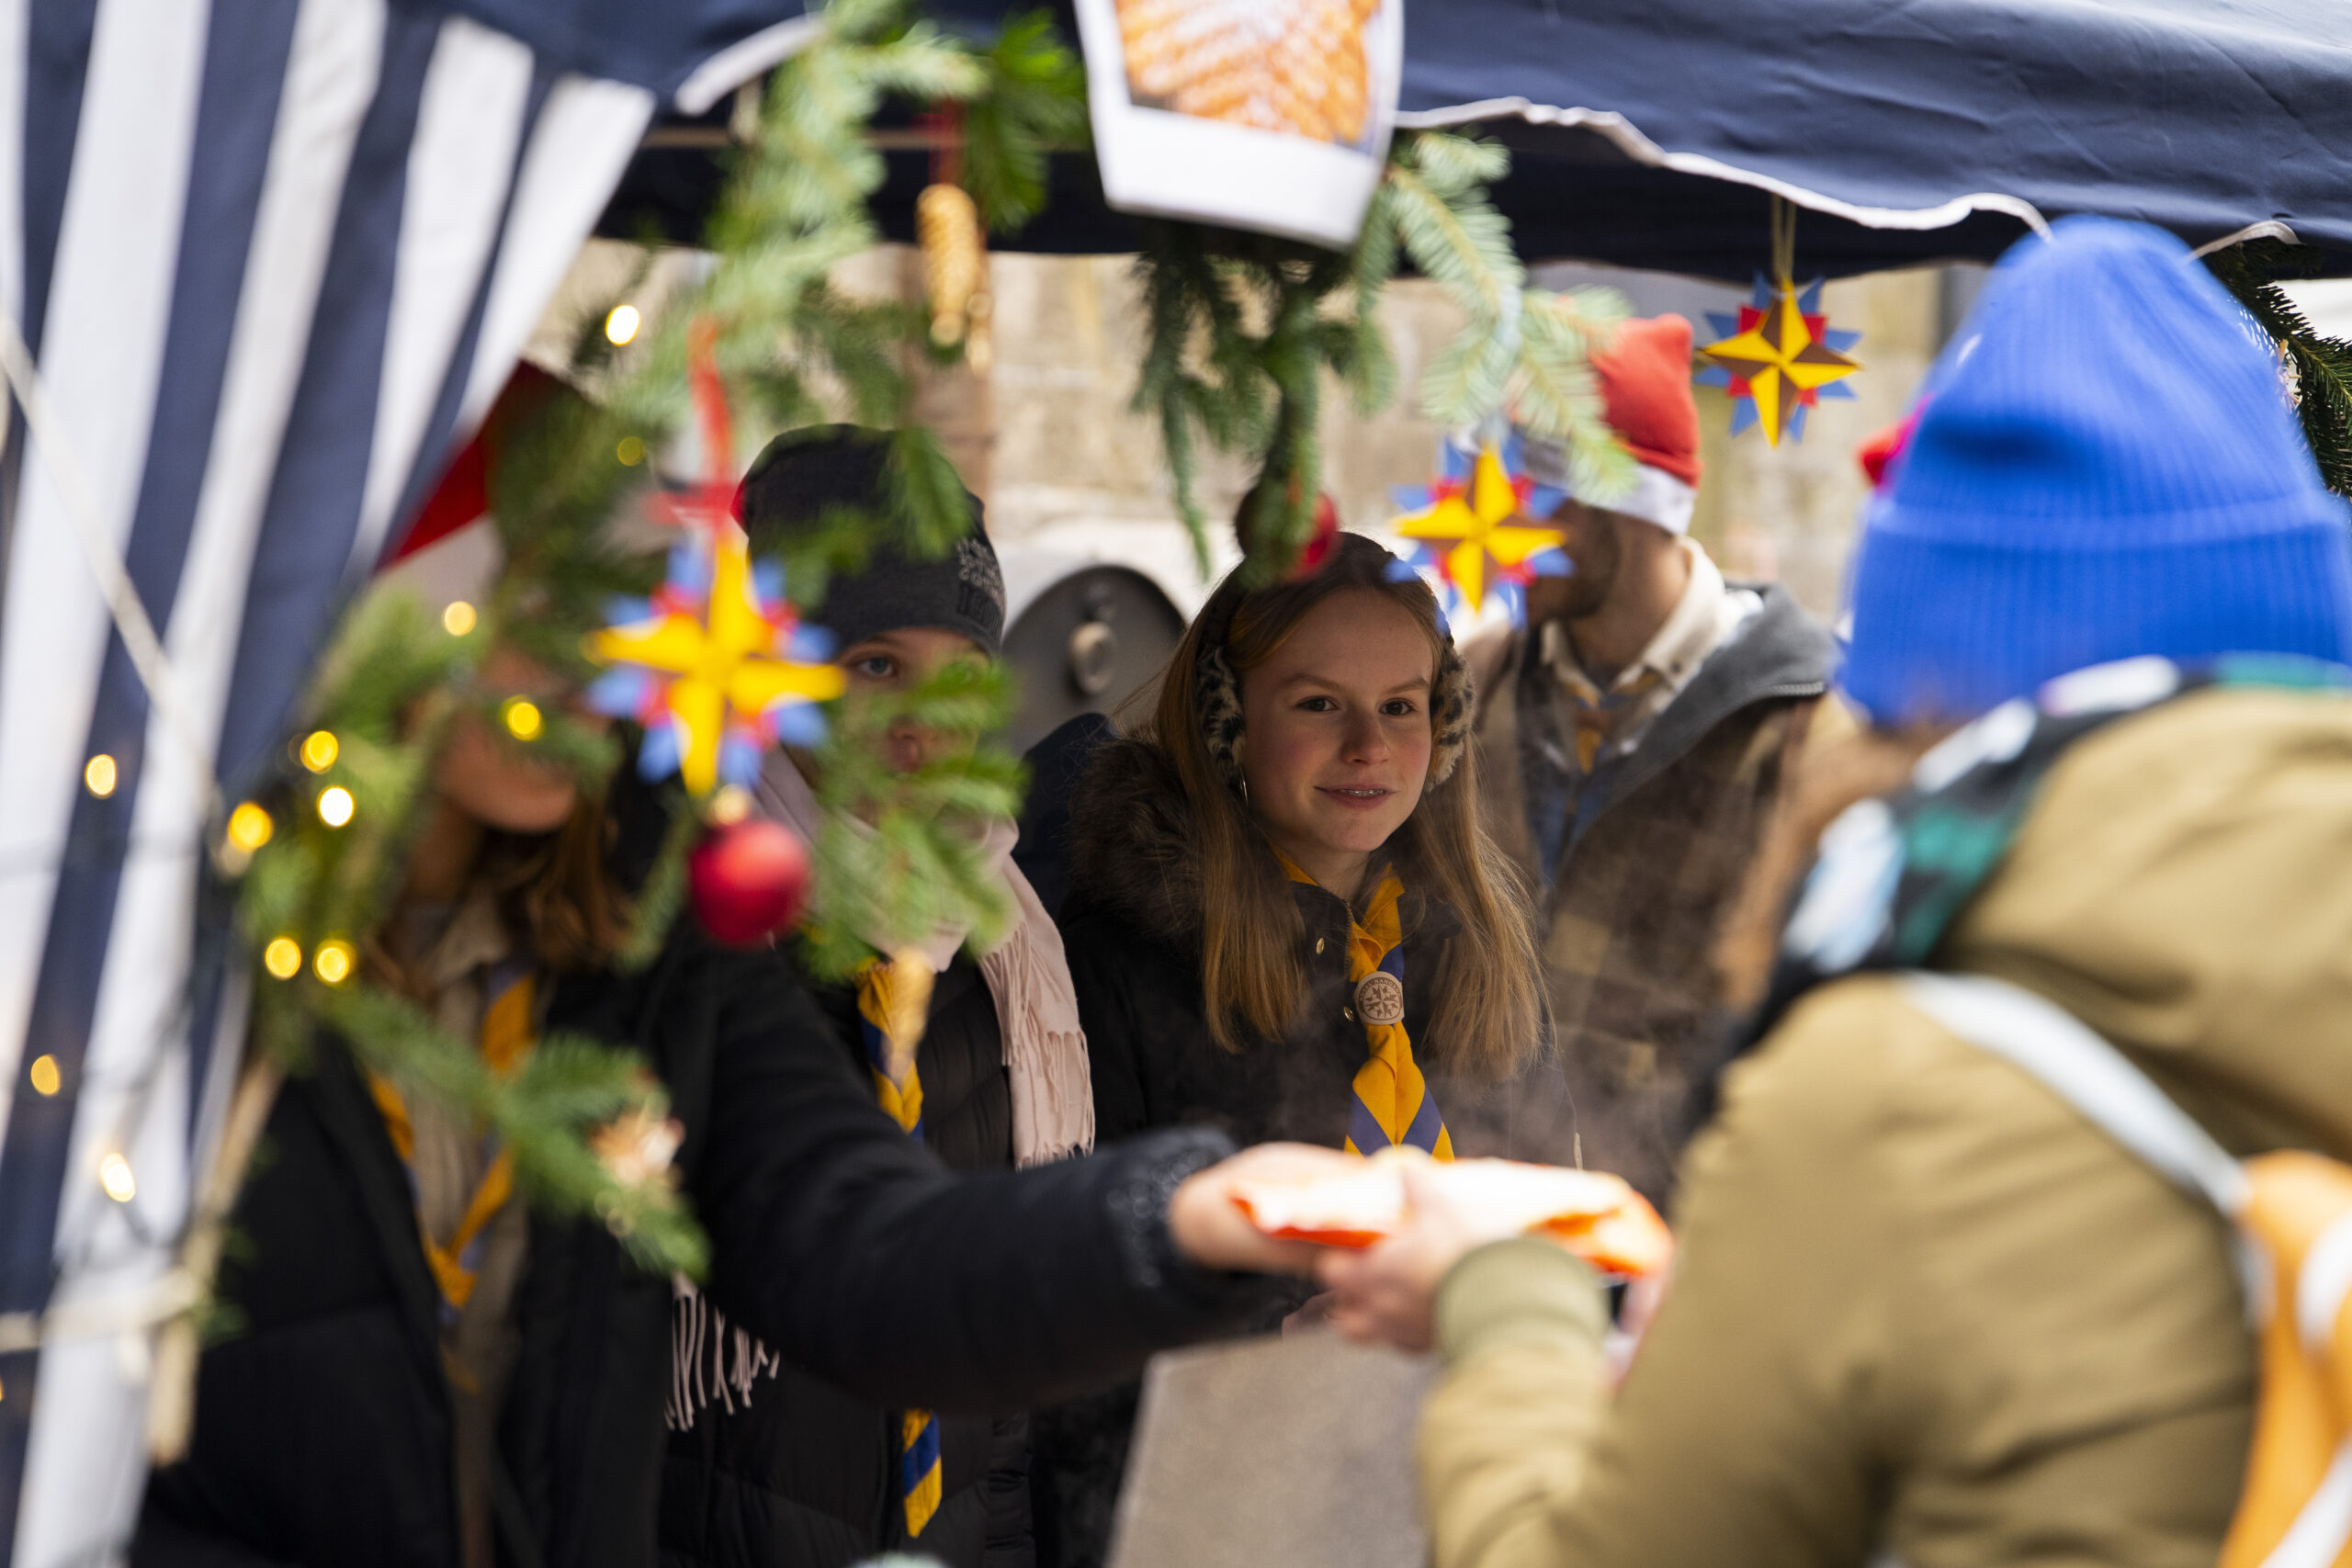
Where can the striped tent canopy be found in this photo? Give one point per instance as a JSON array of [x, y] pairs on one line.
[[263, 264]]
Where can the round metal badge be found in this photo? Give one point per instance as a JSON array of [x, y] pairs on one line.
[[1380, 997]]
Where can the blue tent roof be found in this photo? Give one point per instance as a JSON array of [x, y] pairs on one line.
[[1900, 121], [1650, 132]]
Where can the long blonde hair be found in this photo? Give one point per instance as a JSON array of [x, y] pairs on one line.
[[1487, 1018]]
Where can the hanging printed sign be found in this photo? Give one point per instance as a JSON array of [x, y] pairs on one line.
[[1271, 115]]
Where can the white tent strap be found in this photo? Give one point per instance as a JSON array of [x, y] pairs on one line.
[[138, 639], [2317, 1537], [2321, 1286], [177, 1293]]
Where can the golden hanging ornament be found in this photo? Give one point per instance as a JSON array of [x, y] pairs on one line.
[[955, 270]]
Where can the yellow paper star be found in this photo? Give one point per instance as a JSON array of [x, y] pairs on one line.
[[1487, 543], [726, 659], [1780, 359]]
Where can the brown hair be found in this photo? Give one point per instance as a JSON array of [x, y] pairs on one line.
[[556, 894], [1487, 1018], [557, 890], [1830, 777]]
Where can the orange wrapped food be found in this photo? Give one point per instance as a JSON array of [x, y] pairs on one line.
[[1595, 1215]]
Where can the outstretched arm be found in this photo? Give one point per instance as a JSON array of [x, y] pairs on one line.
[[849, 1248]]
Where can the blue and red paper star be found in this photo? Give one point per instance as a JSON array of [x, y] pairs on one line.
[[1778, 357]]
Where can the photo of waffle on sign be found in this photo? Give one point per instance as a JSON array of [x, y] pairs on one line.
[[1268, 115], [1290, 65]]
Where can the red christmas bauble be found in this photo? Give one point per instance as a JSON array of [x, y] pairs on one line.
[[749, 880], [1318, 548]]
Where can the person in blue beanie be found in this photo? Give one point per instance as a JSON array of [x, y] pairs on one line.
[[2106, 467], [1926, 1309]]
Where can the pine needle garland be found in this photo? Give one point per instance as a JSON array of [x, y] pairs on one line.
[[1034, 104], [2323, 365], [318, 864], [1240, 329], [895, 864]]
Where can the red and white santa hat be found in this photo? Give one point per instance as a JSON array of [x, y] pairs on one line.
[[1644, 375]]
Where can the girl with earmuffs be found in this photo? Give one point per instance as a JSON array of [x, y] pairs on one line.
[[1286, 922]]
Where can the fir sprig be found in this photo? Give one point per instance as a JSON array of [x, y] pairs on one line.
[[318, 889], [2323, 365], [1033, 105], [789, 345], [566, 1090], [900, 854], [1241, 328]]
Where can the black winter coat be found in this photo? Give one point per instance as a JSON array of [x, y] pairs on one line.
[[1131, 927], [1132, 930], [807, 1475], [322, 1421]]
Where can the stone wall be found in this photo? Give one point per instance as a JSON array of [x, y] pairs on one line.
[[1063, 447]]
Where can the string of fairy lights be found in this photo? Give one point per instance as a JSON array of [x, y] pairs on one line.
[[248, 827]]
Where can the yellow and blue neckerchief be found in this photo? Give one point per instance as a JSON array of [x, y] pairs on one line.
[[1392, 1104], [892, 1001], [507, 1036]]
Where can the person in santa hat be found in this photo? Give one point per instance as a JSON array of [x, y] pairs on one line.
[[1633, 738]]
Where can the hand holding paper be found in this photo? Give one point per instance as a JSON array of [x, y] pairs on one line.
[[1393, 1225]]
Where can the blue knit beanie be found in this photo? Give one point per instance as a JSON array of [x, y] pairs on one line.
[[2105, 464]]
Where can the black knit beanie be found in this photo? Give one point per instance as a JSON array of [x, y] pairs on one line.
[[804, 473]]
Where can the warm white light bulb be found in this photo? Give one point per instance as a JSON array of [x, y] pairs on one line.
[[114, 1175]]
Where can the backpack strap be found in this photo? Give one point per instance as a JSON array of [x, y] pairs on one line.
[[2083, 1069]]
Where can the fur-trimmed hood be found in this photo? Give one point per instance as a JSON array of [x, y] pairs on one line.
[[1132, 847]]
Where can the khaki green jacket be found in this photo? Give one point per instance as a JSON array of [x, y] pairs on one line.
[[1921, 1308]]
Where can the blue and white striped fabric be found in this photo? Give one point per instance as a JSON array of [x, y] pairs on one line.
[[272, 258]]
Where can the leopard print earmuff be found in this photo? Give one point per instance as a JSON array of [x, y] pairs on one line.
[[1217, 697]]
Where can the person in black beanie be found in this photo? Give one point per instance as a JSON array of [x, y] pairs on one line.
[[769, 1464], [805, 476]]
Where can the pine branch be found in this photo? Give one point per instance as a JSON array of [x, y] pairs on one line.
[[1457, 167], [2323, 365], [567, 1087], [1208, 376], [899, 854], [1556, 395], [1454, 235], [795, 205], [1034, 102], [929, 495], [1366, 363], [662, 893]]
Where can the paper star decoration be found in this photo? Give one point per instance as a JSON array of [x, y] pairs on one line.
[[1778, 359], [715, 665], [1465, 528]]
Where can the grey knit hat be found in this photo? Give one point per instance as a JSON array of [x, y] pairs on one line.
[[803, 474]]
